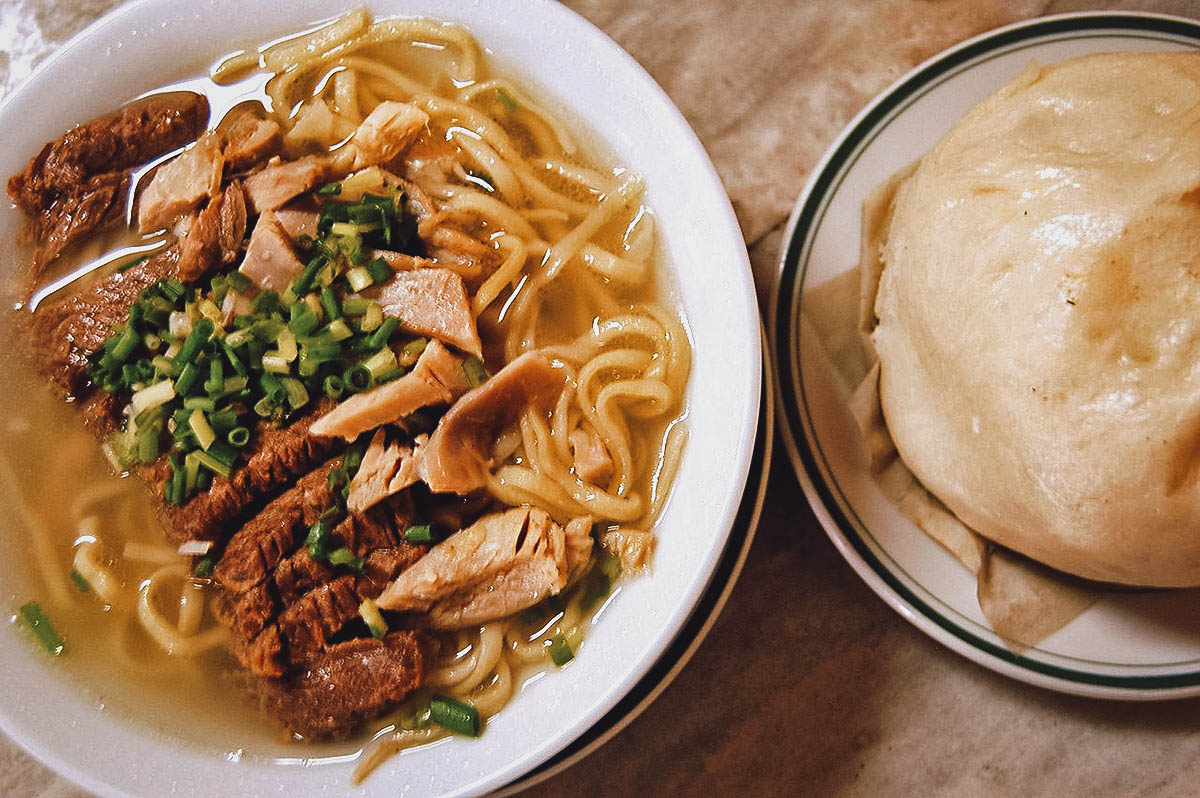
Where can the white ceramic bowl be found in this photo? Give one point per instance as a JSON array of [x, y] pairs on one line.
[[572, 64]]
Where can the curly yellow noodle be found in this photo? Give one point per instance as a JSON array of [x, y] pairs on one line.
[[668, 465], [467, 203], [101, 580], [505, 275], [487, 159], [168, 636]]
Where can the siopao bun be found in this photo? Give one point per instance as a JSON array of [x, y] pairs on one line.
[[1039, 318]]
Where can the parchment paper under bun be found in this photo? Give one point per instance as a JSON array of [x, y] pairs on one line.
[[1039, 318]]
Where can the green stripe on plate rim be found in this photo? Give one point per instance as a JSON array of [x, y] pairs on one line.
[[795, 265]]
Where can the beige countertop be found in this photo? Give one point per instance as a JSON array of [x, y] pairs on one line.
[[808, 683]]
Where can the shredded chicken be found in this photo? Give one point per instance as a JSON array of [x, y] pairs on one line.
[[386, 469], [501, 564], [280, 183], [592, 461], [632, 547], [458, 453], [270, 261], [214, 235], [250, 140], [437, 378], [386, 132], [432, 302], [181, 184]]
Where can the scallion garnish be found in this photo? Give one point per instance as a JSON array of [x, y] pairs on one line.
[[454, 715], [418, 533], [39, 623], [346, 558], [559, 650], [373, 618], [80, 581]]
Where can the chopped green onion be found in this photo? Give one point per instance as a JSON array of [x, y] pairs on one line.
[[187, 379], [205, 403], [297, 394], [454, 715], [209, 461], [237, 281], [329, 303], [126, 342], [39, 623], [474, 372], [303, 283], [330, 190], [206, 566], [333, 386], [418, 533], [379, 269], [147, 442], [357, 379], [238, 437], [152, 396], [201, 429], [202, 330], [372, 318], [369, 611], [191, 472], [265, 302], [338, 331], [175, 485], [172, 289], [80, 582], [303, 321], [389, 375], [559, 650], [345, 557], [381, 361], [317, 541], [355, 305], [380, 336], [275, 363], [359, 278], [216, 376], [286, 341]]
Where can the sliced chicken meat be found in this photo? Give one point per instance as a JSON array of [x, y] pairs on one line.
[[591, 459], [457, 456], [437, 378], [386, 132], [633, 548], [215, 235], [386, 469], [270, 261], [182, 183], [399, 262], [298, 222], [280, 183], [432, 302], [501, 564], [249, 140]]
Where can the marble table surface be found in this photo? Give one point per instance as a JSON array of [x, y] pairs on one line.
[[808, 683]]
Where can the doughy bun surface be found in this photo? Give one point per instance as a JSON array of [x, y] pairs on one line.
[[1039, 318]]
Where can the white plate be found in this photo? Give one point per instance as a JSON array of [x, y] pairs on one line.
[[145, 44], [1141, 645]]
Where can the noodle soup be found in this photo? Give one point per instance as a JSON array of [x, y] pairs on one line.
[[558, 256]]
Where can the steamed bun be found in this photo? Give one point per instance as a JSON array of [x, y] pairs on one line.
[[1039, 318]]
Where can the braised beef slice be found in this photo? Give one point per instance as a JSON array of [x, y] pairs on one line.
[[383, 565], [298, 574], [280, 454], [256, 548], [350, 683], [130, 137], [62, 335], [246, 614], [97, 204], [307, 625]]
